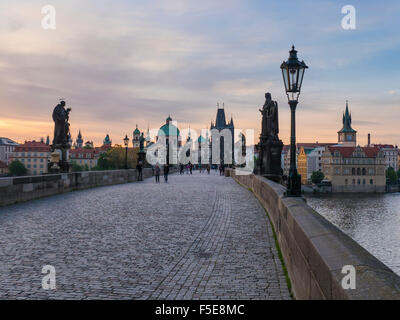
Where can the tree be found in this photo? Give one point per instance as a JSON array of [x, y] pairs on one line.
[[317, 177], [391, 176], [116, 157], [17, 168], [102, 162], [76, 167]]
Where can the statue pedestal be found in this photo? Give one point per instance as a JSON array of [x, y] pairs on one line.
[[59, 159], [269, 163], [141, 156]]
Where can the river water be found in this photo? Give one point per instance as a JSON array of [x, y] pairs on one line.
[[372, 220]]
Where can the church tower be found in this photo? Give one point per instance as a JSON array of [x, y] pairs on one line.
[[136, 136], [79, 140], [221, 124], [347, 135]]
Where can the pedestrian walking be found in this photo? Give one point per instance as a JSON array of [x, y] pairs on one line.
[[166, 171], [190, 167], [221, 168], [181, 167], [157, 170], [208, 168], [139, 168]]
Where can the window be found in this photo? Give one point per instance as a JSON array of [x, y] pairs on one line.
[[345, 181], [364, 171], [358, 171], [363, 181], [371, 181], [358, 181]]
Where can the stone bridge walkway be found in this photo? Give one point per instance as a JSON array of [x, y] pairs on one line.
[[198, 237]]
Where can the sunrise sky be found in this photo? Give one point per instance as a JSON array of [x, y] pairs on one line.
[[121, 63]]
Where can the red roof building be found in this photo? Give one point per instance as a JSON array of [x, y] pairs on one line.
[[354, 169], [34, 155]]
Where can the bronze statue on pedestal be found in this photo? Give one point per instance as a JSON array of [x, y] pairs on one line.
[[60, 140], [270, 147]]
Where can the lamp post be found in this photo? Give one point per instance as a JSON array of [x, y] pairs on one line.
[[126, 142], [293, 73]]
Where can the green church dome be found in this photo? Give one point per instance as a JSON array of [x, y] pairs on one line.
[[168, 129]]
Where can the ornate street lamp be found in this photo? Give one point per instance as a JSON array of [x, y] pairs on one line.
[[293, 73], [126, 142]]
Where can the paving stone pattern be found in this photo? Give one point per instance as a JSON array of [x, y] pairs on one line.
[[196, 237]]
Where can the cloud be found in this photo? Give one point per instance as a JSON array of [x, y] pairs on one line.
[[136, 62]]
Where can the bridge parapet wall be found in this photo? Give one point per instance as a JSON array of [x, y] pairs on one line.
[[18, 189], [315, 251]]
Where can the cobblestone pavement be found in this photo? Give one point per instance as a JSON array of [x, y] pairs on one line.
[[197, 237]]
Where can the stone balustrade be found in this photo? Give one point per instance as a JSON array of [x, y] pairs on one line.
[[18, 189], [315, 251]]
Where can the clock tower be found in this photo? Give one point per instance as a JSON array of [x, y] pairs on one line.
[[347, 136]]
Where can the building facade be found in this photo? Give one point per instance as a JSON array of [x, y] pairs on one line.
[[302, 165], [34, 156], [313, 153], [354, 169], [84, 157], [7, 147], [390, 153]]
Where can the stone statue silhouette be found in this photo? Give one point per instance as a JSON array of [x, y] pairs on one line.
[[61, 125], [270, 123], [270, 147], [141, 142]]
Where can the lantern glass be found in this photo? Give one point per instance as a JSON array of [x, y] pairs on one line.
[[285, 73], [126, 140], [293, 74]]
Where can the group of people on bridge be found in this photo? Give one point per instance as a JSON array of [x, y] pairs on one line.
[[189, 167]]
